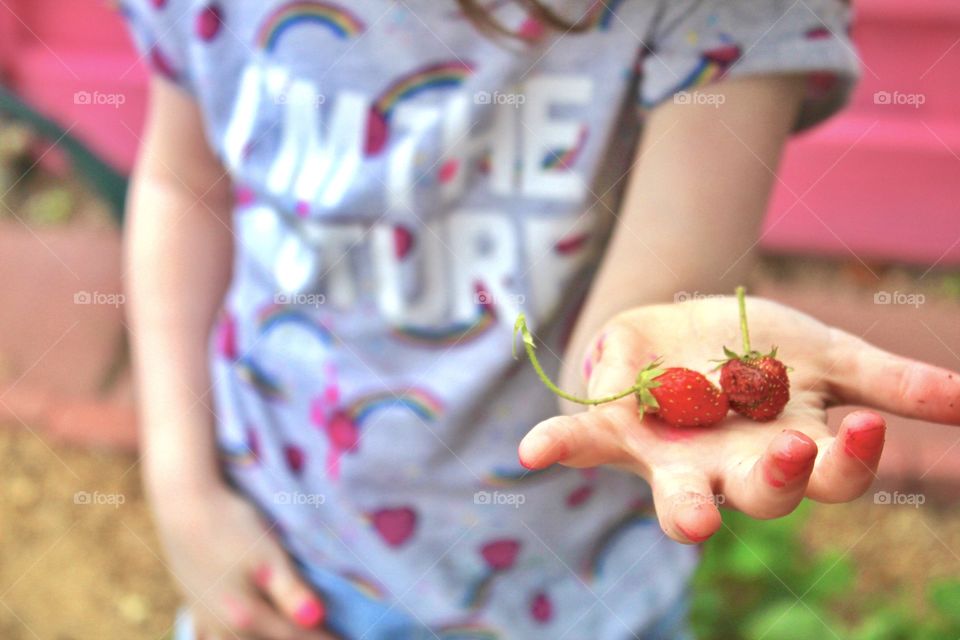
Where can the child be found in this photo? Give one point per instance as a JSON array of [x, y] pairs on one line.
[[360, 197]]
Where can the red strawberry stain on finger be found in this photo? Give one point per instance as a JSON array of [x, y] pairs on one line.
[[865, 443], [797, 460]]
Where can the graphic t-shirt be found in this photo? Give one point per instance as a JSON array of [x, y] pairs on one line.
[[405, 186]]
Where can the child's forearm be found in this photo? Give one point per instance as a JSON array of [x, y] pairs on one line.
[[176, 269], [178, 257], [692, 209]]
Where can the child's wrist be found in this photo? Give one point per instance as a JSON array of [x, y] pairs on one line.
[[176, 475]]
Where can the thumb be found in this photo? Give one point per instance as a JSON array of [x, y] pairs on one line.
[[586, 439], [283, 585]]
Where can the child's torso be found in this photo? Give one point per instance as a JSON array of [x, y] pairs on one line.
[[405, 186]]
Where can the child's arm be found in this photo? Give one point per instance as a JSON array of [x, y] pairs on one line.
[[694, 201], [688, 223], [178, 259]]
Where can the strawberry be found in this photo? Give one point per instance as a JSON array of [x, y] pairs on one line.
[[680, 397], [756, 384]]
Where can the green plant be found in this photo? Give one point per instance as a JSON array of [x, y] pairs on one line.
[[759, 581]]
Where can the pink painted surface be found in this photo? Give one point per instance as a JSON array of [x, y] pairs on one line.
[[879, 182], [50, 50]]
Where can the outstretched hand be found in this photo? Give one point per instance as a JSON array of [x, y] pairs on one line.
[[761, 468]]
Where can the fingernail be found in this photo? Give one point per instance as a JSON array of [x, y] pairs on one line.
[[865, 443], [689, 535], [783, 468], [797, 439], [309, 615]]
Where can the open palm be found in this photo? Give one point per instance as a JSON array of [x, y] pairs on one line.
[[761, 468]]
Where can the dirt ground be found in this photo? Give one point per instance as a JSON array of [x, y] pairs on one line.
[[78, 556], [79, 559]]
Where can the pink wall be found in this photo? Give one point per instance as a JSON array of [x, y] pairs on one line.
[[879, 182], [50, 50], [882, 181]]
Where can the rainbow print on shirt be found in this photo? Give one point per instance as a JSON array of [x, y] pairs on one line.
[[339, 21], [441, 75]]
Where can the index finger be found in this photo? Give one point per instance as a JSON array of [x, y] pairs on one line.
[[867, 375]]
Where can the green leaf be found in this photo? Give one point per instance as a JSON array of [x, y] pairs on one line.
[[731, 355], [520, 326], [752, 560], [885, 624], [944, 597], [789, 619], [831, 575]]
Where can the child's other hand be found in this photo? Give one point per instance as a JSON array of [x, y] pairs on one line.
[[236, 579], [762, 469]]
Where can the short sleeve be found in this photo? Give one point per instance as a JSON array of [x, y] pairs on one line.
[[696, 43], [161, 31]]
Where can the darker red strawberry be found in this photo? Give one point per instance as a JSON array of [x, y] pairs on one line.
[[681, 397], [758, 388], [756, 384]]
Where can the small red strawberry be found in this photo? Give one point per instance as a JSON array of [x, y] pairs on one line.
[[680, 397], [756, 384]]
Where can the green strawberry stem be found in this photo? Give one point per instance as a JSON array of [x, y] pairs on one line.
[[742, 302], [521, 327]]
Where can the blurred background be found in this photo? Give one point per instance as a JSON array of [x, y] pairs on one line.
[[863, 232]]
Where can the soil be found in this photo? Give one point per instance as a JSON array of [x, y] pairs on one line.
[[78, 556]]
